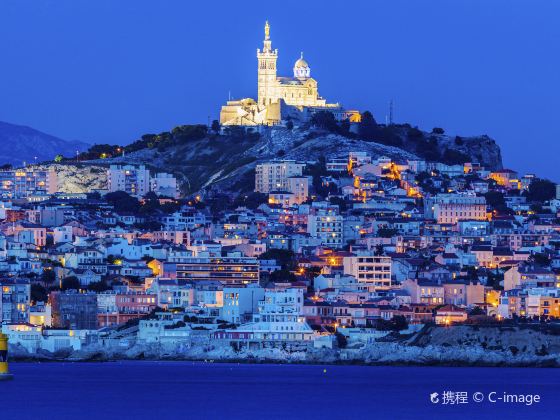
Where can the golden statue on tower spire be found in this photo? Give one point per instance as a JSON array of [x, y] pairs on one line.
[[266, 30]]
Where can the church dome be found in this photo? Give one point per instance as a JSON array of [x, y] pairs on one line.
[[301, 63], [301, 68]]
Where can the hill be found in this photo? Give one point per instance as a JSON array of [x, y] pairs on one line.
[[205, 161], [20, 144]]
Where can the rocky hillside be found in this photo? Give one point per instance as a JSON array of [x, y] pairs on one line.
[[207, 162], [528, 339], [74, 178], [436, 146], [20, 144], [226, 162]]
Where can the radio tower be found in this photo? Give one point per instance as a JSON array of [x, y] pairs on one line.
[[391, 112]]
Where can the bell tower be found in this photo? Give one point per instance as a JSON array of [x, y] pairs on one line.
[[267, 69]]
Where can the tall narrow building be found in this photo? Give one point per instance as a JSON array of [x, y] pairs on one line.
[[267, 69]]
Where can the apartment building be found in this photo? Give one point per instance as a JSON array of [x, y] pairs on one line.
[[134, 180], [74, 310], [25, 182], [327, 226], [372, 272], [273, 176], [452, 208], [14, 300], [226, 270]]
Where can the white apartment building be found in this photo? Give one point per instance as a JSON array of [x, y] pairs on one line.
[[180, 221], [337, 165], [299, 187], [281, 305], [373, 272], [273, 176], [240, 303], [279, 321], [134, 180], [327, 226]]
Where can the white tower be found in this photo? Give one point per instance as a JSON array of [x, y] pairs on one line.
[[267, 69]]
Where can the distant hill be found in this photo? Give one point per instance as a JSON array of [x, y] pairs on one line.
[[20, 144]]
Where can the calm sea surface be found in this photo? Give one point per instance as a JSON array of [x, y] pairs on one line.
[[184, 390]]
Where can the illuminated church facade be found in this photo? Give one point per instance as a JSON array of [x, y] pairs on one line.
[[279, 97]]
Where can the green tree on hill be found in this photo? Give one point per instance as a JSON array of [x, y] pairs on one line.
[[324, 120], [38, 293], [455, 157], [71, 282], [123, 202], [285, 258], [541, 190], [98, 286], [367, 126], [48, 276]]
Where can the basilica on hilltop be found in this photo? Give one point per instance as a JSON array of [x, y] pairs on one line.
[[279, 97]]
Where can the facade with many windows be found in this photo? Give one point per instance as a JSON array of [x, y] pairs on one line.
[[452, 208], [129, 178], [227, 270], [274, 176], [24, 182], [371, 271], [327, 226], [74, 310], [14, 301]]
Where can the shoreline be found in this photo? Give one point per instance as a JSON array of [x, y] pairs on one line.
[[552, 362], [460, 346], [544, 365]]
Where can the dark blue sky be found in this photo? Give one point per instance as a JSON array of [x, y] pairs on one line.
[[109, 71]]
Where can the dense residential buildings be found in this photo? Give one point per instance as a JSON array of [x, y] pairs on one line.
[[345, 248], [505, 178]]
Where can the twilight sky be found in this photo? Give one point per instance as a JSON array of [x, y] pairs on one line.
[[107, 71]]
